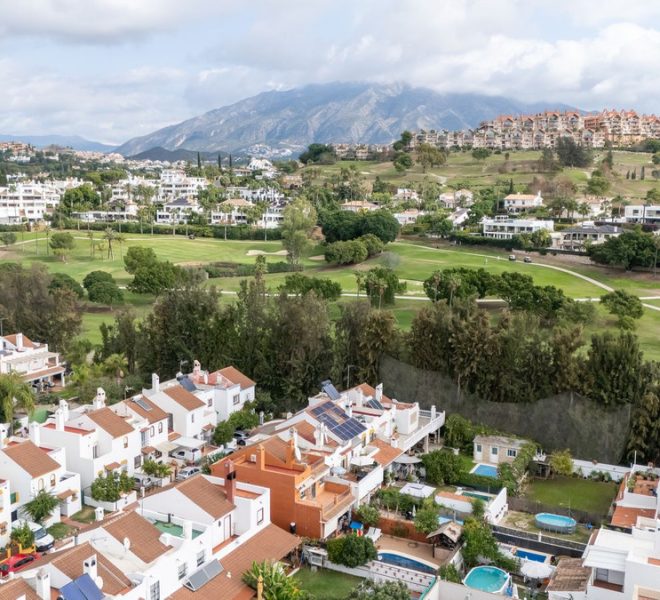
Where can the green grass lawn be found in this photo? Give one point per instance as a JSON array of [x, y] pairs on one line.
[[84, 515], [576, 493], [60, 530], [325, 584]]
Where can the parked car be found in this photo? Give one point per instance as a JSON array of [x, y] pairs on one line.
[[140, 480], [187, 473], [43, 541], [528, 259], [241, 437], [512, 257], [18, 562], [186, 454]]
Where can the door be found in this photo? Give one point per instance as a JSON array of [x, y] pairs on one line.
[[227, 527]]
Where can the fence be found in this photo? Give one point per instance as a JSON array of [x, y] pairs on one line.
[[538, 541], [533, 507]]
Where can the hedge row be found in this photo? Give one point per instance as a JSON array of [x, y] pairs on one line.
[[228, 269]]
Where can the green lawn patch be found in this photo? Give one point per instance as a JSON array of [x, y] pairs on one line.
[[572, 492], [85, 515], [329, 585], [60, 530]]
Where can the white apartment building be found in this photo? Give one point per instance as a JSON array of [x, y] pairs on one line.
[[174, 184], [458, 198], [96, 440], [587, 234], [517, 203], [27, 202], [32, 465], [32, 360], [409, 216], [177, 211], [226, 390], [504, 228], [640, 213]]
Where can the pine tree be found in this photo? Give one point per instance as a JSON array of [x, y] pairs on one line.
[[642, 174], [220, 162], [628, 174], [231, 163], [633, 175], [199, 161]]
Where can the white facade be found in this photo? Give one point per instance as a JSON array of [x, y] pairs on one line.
[[640, 213], [177, 211], [32, 360], [516, 203], [174, 184], [504, 228]]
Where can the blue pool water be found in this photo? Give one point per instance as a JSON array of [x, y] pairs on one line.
[[405, 562], [487, 579], [554, 522], [485, 470], [529, 555]]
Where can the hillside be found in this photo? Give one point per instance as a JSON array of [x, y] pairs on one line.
[[285, 122], [162, 154], [65, 141]]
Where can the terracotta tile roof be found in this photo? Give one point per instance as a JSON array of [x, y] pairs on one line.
[[570, 576], [27, 342], [153, 416], [211, 498], [70, 562], [626, 516], [17, 588], [68, 429], [66, 494], [143, 535], [367, 390], [32, 375], [148, 450], [31, 458], [183, 397], [235, 376], [271, 543], [386, 453], [173, 435], [112, 466], [110, 422]]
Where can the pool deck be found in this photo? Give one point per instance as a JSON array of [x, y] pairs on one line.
[[414, 549]]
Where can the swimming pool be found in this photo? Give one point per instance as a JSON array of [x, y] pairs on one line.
[[485, 470], [487, 579], [399, 560], [483, 497], [529, 555], [552, 522]]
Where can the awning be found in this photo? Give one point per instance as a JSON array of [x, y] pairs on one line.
[[112, 466], [404, 459], [167, 447], [66, 494], [148, 450], [191, 443]]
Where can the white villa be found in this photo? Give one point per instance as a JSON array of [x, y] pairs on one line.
[[504, 228], [32, 360]]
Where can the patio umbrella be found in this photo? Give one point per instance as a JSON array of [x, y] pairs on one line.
[[536, 570]]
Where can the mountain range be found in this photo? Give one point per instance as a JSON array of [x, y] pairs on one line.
[[285, 122], [65, 141]]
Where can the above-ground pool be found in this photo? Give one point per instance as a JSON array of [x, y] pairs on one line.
[[406, 562], [485, 470], [487, 579], [552, 522]]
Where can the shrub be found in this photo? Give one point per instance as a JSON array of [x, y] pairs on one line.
[[110, 487], [96, 277], [346, 253], [368, 515], [62, 281], [351, 550], [22, 535], [443, 467]]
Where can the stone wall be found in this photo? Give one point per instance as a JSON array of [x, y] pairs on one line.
[[562, 421]]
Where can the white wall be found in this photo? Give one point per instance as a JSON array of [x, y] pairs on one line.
[[587, 467], [497, 507]]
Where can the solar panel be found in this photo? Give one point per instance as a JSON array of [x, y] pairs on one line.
[[202, 576], [330, 389], [187, 384], [141, 403], [82, 588], [373, 403]]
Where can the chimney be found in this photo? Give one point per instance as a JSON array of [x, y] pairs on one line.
[[197, 368], [317, 437], [261, 457], [433, 411], [43, 584], [206, 377], [155, 382], [59, 419], [187, 530], [35, 433], [379, 392], [64, 406], [90, 567], [99, 399], [261, 418], [349, 410], [19, 341], [230, 478], [359, 398]]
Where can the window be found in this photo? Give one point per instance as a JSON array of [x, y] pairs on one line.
[[478, 447], [160, 427], [154, 591], [237, 399], [40, 484], [511, 452], [493, 450], [201, 557], [125, 441], [152, 431], [53, 480], [260, 516], [183, 570], [192, 417], [137, 462]]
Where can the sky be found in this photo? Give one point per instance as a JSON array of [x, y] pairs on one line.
[[110, 70]]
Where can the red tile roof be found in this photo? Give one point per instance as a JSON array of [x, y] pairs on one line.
[[144, 537], [110, 422], [31, 458], [626, 516], [183, 397]]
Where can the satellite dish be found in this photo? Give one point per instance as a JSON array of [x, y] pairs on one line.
[[99, 582], [127, 544]]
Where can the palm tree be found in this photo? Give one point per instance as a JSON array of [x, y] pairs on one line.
[[15, 393], [359, 280], [90, 235], [110, 235], [41, 506], [47, 232], [115, 365], [271, 581]]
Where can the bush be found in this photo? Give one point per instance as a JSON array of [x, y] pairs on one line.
[[346, 253], [110, 487], [105, 292], [22, 535], [443, 467], [62, 281], [96, 277], [368, 515], [351, 550], [300, 284]]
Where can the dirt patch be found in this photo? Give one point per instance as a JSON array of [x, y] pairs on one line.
[[261, 252]]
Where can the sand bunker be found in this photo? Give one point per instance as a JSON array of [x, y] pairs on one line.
[[261, 252]]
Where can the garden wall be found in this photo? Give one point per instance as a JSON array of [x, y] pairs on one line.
[[562, 421]]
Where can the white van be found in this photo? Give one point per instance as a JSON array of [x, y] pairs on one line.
[[43, 541]]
